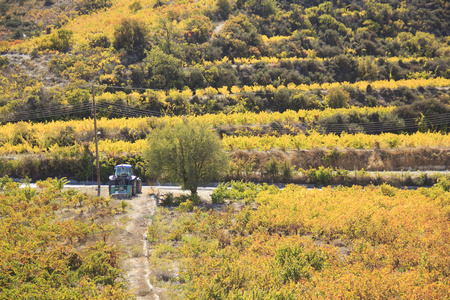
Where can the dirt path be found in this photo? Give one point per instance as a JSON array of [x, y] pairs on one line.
[[134, 241], [131, 238]]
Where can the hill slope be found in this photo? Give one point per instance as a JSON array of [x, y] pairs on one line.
[[193, 45]]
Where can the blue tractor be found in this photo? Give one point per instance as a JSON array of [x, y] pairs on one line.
[[123, 183]]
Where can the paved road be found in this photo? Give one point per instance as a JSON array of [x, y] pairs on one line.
[[209, 189]]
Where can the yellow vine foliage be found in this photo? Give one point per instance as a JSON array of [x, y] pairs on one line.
[[28, 137], [334, 243], [330, 141], [361, 85]]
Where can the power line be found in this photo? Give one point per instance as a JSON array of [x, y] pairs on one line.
[[130, 111], [67, 110]]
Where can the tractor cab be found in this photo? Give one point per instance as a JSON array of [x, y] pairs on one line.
[[123, 170]]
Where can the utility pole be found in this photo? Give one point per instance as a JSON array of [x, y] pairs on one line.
[[96, 141]]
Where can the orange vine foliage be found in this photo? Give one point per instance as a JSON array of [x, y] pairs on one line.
[[38, 259], [337, 243]]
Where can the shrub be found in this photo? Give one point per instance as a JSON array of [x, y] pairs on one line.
[[187, 205], [198, 29], [88, 6], [101, 41], [321, 175], [168, 200], [223, 9], [135, 6], [60, 40], [294, 263], [131, 35], [387, 190], [3, 61], [337, 98], [220, 193], [443, 183], [271, 169]]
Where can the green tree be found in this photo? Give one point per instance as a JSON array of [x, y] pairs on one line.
[[368, 68], [263, 8], [189, 154], [198, 29], [165, 70], [167, 34], [239, 38], [223, 9], [131, 35], [89, 6]]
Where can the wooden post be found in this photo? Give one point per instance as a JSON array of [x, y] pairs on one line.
[[96, 141]]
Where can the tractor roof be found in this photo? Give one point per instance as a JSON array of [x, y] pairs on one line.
[[124, 166]]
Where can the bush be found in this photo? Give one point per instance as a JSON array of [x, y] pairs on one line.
[[60, 41], [101, 41], [3, 61], [220, 193], [337, 98], [270, 169], [198, 29], [324, 175], [131, 35], [223, 9], [135, 6], [168, 200], [187, 205], [89, 6], [387, 190], [321, 175], [443, 183], [294, 263]]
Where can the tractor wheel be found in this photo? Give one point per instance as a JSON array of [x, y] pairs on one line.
[[133, 188], [139, 186], [111, 183]]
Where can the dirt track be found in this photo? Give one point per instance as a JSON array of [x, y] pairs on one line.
[[131, 239]]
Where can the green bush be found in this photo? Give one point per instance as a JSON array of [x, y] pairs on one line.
[[324, 175], [60, 40], [89, 6], [294, 263], [220, 193], [186, 206], [168, 200], [387, 190], [101, 41], [443, 183], [3, 61], [135, 6], [131, 35], [337, 98]]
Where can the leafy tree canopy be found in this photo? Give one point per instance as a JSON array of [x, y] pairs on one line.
[[189, 154]]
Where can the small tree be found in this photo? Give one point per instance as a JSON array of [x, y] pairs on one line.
[[188, 154], [131, 35], [337, 98]]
